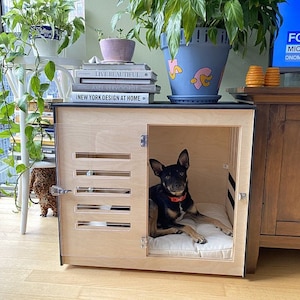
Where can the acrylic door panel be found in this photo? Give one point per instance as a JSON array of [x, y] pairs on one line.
[[104, 167]]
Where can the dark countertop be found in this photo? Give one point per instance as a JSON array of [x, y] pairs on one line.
[[220, 105]]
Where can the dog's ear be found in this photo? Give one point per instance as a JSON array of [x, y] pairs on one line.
[[183, 159], [156, 166]]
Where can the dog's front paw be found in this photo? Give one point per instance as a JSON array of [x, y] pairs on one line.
[[227, 231], [199, 239], [177, 231]]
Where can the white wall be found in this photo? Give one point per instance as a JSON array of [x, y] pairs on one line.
[[98, 15]]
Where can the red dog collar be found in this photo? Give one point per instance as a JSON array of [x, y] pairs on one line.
[[178, 199]]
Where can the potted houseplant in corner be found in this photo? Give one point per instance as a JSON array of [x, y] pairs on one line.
[[179, 26], [116, 49], [45, 22], [12, 47]]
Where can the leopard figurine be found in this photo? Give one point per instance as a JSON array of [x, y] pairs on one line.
[[41, 179]]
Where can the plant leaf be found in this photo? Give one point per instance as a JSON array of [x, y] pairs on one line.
[[9, 160], [33, 117], [64, 44], [20, 168], [40, 104], [35, 84], [49, 70], [234, 13], [22, 103], [4, 134]]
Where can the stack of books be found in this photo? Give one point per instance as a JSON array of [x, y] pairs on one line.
[[115, 83]]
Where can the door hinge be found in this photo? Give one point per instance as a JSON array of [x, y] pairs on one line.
[[242, 196], [144, 242], [144, 140]]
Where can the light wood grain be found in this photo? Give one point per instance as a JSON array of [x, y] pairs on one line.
[[110, 131], [30, 269]]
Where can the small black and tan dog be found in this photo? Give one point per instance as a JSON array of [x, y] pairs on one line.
[[170, 200]]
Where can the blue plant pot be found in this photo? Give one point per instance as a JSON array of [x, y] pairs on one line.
[[46, 31], [196, 72]]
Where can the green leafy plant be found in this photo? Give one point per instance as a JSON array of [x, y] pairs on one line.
[[239, 17], [120, 34], [10, 49], [22, 19], [25, 15]]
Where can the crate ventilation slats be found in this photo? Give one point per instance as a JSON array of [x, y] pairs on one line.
[[104, 213]]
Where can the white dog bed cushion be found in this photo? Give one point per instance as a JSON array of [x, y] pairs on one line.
[[218, 246]]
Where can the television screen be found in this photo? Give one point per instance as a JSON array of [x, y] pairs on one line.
[[285, 52]]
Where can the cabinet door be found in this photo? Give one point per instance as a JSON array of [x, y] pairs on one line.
[[282, 191], [104, 167], [288, 215]]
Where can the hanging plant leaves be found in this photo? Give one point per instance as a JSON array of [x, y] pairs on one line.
[[7, 133], [20, 168], [22, 102], [17, 147], [64, 44], [4, 134], [35, 148], [44, 87], [33, 117], [3, 95], [14, 128], [9, 160], [28, 132], [20, 73], [40, 104], [35, 84], [7, 110], [50, 70]]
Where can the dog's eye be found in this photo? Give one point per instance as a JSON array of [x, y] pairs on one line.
[[181, 173], [168, 177]]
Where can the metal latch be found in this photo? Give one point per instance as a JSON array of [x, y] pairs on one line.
[[144, 140], [57, 190]]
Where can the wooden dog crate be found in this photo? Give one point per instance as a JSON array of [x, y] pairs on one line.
[[104, 175]]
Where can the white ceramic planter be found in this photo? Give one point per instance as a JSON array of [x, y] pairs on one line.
[[46, 47], [46, 41]]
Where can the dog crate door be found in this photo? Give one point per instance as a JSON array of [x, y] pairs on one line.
[[104, 168]]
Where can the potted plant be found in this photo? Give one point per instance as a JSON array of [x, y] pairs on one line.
[[178, 26], [15, 45], [44, 20], [11, 49], [116, 49]]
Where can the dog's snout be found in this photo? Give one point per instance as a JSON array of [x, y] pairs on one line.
[[177, 186]]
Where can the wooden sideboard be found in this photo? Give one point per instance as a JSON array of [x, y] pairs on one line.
[[274, 213]]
